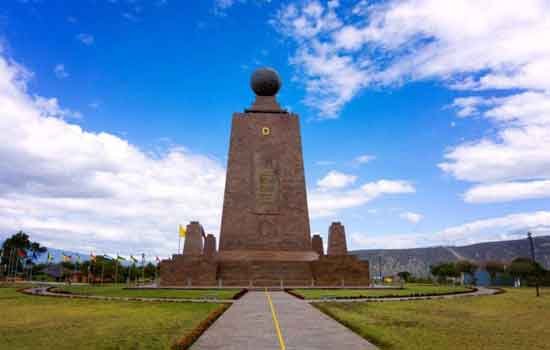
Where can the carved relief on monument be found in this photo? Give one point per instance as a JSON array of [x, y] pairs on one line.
[[267, 227], [266, 184]]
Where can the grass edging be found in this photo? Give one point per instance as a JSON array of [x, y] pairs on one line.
[[388, 296], [190, 338], [294, 294], [240, 294], [60, 292]]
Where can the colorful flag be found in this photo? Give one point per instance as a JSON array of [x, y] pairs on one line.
[[182, 231], [92, 257], [21, 253], [118, 257], [133, 259], [66, 258], [107, 257]]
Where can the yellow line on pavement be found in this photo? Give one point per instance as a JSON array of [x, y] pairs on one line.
[[275, 321]]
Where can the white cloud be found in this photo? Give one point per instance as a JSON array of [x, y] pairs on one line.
[[363, 159], [469, 45], [223, 4], [516, 163], [500, 228], [86, 39], [335, 179], [503, 46], [508, 191], [411, 217], [220, 7], [323, 203], [509, 227], [60, 72], [49, 107], [80, 190]]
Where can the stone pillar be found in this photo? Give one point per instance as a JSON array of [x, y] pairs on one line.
[[317, 245], [210, 245], [193, 239], [337, 240]]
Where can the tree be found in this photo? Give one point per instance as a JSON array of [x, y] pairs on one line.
[[404, 275], [493, 268], [150, 270], [19, 244], [466, 267], [444, 270], [524, 268]]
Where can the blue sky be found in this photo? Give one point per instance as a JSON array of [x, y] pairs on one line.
[[422, 123]]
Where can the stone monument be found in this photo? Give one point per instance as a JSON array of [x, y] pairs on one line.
[[337, 240], [317, 245], [265, 235]]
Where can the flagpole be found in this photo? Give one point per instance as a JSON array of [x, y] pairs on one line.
[[116, 270], [16, 267], [10, 272], [31, 270], [102, 269], [143, 266], [179, 243], [9, 265], [156, 268]]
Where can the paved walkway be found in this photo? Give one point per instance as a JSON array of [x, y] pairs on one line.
[[249, 324]]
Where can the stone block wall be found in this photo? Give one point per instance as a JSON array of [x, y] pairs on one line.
[[184, 270], [343, 270]]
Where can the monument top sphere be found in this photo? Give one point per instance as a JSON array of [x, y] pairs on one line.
[[265, 81]]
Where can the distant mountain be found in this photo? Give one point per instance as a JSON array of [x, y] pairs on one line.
[[418, 260]]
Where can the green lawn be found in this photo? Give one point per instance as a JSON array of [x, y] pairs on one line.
[[410, 289], [119, 291], [34, 322], [513, 320]]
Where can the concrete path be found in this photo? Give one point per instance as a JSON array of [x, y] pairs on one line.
[[246, 325], [249, 324], [306, 328]]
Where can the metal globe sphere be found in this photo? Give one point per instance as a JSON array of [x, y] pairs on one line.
[[265, 81]]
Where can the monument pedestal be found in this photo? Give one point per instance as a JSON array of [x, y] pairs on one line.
[[188, 271]]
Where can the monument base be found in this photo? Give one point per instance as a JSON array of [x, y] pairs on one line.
[[340, 270], [333, 271], [188, 270]]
